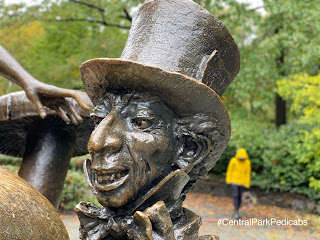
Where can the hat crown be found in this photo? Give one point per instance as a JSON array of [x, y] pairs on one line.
[[180, 36]]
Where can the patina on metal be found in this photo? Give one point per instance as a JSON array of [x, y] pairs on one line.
[[46, 145], [160, 122], [25, 213]]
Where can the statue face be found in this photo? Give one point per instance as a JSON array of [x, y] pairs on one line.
[[132, 146]]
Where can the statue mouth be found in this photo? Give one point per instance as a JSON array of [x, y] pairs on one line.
[[110, 179]]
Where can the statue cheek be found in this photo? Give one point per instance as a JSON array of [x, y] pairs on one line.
[[151, 143]]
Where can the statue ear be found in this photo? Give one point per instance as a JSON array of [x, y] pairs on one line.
[[192, 151]]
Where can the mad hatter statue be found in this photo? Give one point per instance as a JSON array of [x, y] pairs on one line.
[[160, 122]]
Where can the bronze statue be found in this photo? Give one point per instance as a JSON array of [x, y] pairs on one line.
[[160, 122], [25, 213], [40, 93], [45, 145]]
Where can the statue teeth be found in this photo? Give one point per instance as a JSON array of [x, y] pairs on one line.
[[100, 178], [112, 177]]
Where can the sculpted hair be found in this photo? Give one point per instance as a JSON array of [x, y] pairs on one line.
[[201, 128], [190, 129]]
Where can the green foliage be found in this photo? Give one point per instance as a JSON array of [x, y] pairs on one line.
[[314, 183], [297, 32], [76, 163], [304, 92], [52, 51], [289, 29], [284, 159], [8, 160], [18, 39], [11, 163], [75, 190], [282, 169], [12, 168], [275, 155]]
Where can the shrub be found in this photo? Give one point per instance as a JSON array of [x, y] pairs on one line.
[[75, 190], [277, 157], [8, 160]]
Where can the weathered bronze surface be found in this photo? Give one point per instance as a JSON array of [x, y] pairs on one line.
[[160, 122], [46, 145], [25, 213], [49, 143]]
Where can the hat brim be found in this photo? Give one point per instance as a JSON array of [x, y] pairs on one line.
[[185, 95]]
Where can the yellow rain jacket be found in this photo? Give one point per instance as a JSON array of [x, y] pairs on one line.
[[239, 171]]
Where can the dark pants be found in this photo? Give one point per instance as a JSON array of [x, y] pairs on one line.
[[237, 191]]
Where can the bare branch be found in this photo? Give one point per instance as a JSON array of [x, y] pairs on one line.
[[87, 20], [88, 5], [103, 17], [101, 11], [127, 16]]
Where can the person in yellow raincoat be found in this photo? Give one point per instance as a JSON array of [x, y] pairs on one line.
[[238, 176]]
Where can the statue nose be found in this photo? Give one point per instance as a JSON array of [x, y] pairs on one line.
[[105, 138], [112, 144]]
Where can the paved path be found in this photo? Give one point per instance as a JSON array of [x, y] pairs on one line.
[[212, 209]]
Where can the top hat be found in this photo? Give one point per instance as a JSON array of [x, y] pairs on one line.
[[177, 50]]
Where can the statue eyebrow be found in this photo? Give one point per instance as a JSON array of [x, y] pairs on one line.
[[98, 112], [145, 112], [126, 99], [122, 102]]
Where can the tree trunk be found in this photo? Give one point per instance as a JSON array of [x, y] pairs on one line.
[[281, 116]]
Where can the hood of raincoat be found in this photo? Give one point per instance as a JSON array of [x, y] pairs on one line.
[[242, 153]]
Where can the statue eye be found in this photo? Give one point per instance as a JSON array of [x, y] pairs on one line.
[[99, 113], [142, 122]]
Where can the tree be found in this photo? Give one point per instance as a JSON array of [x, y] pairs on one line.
[[53, 38], [304, 92], [107, 13], [289, 35], [280, 43], [52, 50]]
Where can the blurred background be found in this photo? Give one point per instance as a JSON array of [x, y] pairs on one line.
[[274, 102]]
